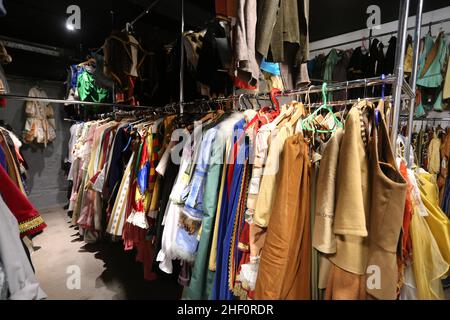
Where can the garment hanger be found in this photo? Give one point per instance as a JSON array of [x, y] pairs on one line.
[[298, 113], [274, 93], [37, 86], [344, 106], [243, 104], [370, 39], [240, 104], [363, 45], [377, 111], [89, 61], [309, 123], [139, 121], [255, 96], [280, 117], [144, 125], [365, 88], [129, 28], [210, 116]]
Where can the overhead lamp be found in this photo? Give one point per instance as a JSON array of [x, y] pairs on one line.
[[70, 27]]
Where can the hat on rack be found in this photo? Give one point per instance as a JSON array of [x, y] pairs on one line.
[[4, 87], [303, 76], [2, 9], [5, 58]]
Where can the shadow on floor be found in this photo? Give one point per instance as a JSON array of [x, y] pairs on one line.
[[125, 276]]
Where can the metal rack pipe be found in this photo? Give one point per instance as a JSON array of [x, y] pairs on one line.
[[182, 59], [346, 85], [399, 72], [413, 80], [70, 102]]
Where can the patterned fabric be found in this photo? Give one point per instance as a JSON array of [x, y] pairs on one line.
[[194, 204], [192, 215], [202, 279], [117, 220], [12, 164], [22, 282]]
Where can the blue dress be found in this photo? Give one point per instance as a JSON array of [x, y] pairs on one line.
[[230, 203]]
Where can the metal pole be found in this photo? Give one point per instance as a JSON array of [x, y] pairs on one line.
[[413, 80], [399, 72], [182, 60], [338, 86], [114, 83]]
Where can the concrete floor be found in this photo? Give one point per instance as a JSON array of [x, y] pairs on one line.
[[107, 271]]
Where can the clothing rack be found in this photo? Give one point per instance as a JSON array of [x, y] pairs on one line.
[[338, 86], [400, 86], [430, 119], [413, 78], [379, 35], [39, 48], [70, 102]]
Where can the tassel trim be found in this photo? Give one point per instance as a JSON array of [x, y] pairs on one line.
[[32, 226], [138, 219]]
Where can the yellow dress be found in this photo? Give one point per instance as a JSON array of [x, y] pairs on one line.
[[437, 221], [428, 264]]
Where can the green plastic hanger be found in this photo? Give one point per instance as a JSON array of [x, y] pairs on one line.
[[308, 123]]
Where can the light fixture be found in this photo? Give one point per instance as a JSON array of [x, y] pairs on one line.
[[70, 27]]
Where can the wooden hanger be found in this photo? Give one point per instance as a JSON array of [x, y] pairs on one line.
[[299, 112], [89, 61]]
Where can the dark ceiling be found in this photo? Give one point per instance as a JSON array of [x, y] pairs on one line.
[[43, 21], [329, 18]]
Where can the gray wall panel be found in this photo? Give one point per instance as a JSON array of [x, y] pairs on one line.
[[47, 181]]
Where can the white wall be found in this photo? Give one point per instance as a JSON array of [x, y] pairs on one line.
[[436, 15]]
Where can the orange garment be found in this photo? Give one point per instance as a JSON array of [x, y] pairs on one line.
[[226, 8], [344, 285], [285, 267]]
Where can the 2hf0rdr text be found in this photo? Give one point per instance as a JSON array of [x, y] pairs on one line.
[[239, 309]]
